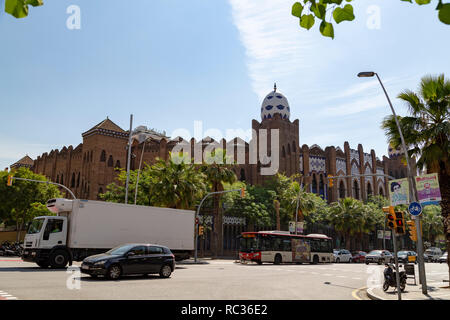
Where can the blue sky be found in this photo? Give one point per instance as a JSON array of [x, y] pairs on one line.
[[171, 63]]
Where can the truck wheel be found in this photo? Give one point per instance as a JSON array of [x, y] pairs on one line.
[[59, 259], [165, 271], [114, 272], [43, 264]]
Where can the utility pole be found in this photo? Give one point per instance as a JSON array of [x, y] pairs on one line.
[[129, 159]]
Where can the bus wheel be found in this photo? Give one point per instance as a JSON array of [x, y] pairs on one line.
[[259, 262], [316, 259], [277, 259]]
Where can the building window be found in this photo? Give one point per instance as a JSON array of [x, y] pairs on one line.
[[341, 190], [294, 148], [314, 183], [369, 189], [72, 182], [100, 191], [110, 161], [289, 149], [103, 156], [62, 178], [321, 186], [355, 189], [242, 175], [117, 164], [78, 180], [57, 178], [283, 153], [380, 192]]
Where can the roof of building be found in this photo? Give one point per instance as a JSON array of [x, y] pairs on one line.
[[107, 124], [25, 161]]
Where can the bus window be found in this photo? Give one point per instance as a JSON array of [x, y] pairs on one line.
[[276, 244], [287, 245], [266, 244]]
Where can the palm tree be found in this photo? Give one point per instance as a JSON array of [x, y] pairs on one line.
[[432, 223], [217, 172], [175, 184], [427, 133], [346, 216]]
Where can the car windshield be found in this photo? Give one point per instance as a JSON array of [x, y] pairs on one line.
[[375, 252], [120, 250], [402, 253], [36, 226]]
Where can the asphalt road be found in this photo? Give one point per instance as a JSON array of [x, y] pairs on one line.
[[218, 279]]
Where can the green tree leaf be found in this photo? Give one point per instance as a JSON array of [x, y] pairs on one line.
[[444, 13], [326, 29], [19, 8], [343, 14], [297, 9], [307, 21]]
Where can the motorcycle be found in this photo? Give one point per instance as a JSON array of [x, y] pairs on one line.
[[390, 278], [11, 249]]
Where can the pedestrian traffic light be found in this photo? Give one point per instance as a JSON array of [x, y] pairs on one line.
[[330, 179], [390, 217], [399, 222], [242, 192], [200, 230], [10, 181], [412, 230]]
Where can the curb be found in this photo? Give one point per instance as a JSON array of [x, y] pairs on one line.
[[371, 295]]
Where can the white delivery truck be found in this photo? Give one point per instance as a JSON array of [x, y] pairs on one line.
[[83, 227]]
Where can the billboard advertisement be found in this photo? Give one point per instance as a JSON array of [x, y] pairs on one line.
[[428, 189], [399, 191]]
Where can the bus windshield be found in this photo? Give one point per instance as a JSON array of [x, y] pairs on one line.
[[249, 244], [35, 226]]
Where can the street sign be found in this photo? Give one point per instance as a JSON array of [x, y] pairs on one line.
[[415, 208], [292, 227]]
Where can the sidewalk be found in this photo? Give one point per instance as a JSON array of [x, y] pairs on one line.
[[436, 291]]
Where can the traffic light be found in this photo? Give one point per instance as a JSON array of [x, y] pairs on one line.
[[399, 222], [330, 179], [412, 230], [10, 181], [200, 230], [390, 217], [242, 192]]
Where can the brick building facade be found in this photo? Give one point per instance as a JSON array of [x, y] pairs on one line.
[[91, 166]]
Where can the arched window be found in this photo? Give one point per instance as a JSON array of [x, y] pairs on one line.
[[341, 190], [62, 179], [78, 180], [72, 182], [294, 148], [321, 186], [103, 156], [91, 155], [283, 153], [314, 183], [380, 192], [117, 164], [355, 189], [57, 178], [369, 189], [110, 161], [289, 149], [242, 175]]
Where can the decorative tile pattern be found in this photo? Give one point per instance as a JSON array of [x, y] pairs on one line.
[[354, 154], [368, 178], [316, 164], [368, 159], [341, 165], [380, 171], [355, 169]]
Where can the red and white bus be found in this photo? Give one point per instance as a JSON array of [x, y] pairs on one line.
[[281, 246]]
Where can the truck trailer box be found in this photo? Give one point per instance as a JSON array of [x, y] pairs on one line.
[[98, 224]]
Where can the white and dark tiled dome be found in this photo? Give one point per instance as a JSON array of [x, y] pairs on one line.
[[394, 152], [275, 102]]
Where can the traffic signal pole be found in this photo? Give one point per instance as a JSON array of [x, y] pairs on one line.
[[242, 191], [397, 271]]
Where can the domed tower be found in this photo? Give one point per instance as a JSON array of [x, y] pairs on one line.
[[275, 102], [275, 115]]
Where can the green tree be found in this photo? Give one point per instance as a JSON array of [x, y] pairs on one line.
[[431, 223], [347, 215], [427, 134], [19, 8], [18, 202], [326, 11], [217, 172]]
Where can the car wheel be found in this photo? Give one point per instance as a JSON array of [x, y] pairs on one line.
[[278, 259], [338, 260], [367, 263], [114, 272], [165, 271], [59, 259]]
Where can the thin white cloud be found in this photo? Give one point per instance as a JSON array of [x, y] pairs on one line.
[[275, 48]]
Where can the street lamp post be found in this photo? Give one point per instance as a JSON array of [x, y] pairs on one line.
[[412, 189], [129, 159]]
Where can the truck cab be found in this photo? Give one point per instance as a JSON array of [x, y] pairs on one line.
[[46, 238]]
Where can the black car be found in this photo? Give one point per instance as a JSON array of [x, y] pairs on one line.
[[131, 259]]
